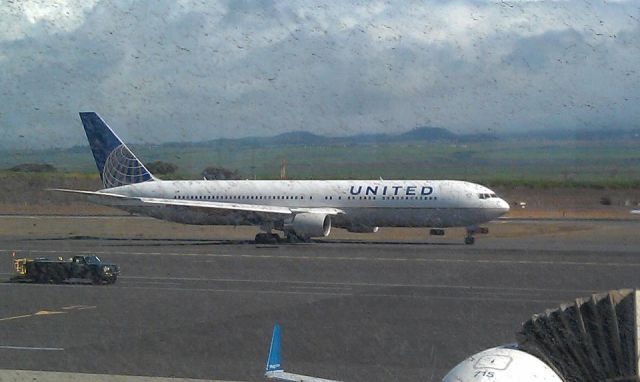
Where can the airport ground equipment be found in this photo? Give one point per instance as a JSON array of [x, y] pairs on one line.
[[595, 339], [59, 270]]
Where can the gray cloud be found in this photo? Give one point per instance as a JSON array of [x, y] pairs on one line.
[[198, 70]]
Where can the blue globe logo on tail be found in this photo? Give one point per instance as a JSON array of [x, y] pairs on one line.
[[117, 165], [122, 168]]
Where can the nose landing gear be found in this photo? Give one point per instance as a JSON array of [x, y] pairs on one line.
[[471, 231], [470, 239]]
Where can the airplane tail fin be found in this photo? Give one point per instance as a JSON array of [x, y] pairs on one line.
[[273, 360], [117, 165], [274, 370]]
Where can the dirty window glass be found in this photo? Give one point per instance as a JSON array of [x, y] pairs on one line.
[[358, 191]]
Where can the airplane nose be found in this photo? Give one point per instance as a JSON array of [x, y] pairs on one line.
[[503, 206]]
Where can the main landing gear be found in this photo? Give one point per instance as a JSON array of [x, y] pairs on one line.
[[293, 238], [274, 238], [267, 238], [436, 232]]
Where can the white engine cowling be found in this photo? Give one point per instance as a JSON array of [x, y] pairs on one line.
[[309, 225], [502, 364]]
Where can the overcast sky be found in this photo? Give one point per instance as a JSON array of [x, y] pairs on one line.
[[197, 70]]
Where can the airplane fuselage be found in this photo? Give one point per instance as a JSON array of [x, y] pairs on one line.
[[301, 209], [366, 203]]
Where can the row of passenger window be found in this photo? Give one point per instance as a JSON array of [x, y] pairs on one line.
[[385, 198], [237, 197], [285, 197]]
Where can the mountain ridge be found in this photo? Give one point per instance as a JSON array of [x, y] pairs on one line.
[[421, 134]]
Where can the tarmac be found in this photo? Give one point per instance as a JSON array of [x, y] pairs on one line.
[[200, 303]]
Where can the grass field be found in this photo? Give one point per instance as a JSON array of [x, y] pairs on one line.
[[533, 163], [22, 193]]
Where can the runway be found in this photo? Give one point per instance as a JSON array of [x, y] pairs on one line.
[[374, 310]]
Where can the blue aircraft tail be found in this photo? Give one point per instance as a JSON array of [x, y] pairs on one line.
[[273, 361], [117, 165]]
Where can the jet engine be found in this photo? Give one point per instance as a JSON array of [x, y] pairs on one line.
[[309, 225]]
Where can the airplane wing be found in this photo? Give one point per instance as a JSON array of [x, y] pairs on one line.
[[263, 211], [274, 369]]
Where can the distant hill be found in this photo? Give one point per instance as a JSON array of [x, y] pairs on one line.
[[428, 134], [305, 138], [601, 158], [422, 135], [601, 134]]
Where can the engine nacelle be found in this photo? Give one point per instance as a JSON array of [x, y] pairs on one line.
[[309, 225], [502, 364], [362, 229]]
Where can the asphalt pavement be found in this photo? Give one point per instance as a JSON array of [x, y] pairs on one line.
[[364, 311]]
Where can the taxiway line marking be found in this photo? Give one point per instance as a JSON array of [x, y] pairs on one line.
[[43, 312], [56, 376], [343, 258], [38, 313], [47, 312], [7, 347], [491, 297], [345, 288], [40, 217], [136, 281], [16, 317], [293, 283]]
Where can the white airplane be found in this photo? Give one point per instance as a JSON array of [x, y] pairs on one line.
[[499, 364], [301, 209]]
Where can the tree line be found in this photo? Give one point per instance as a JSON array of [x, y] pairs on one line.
[[156, 168]]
